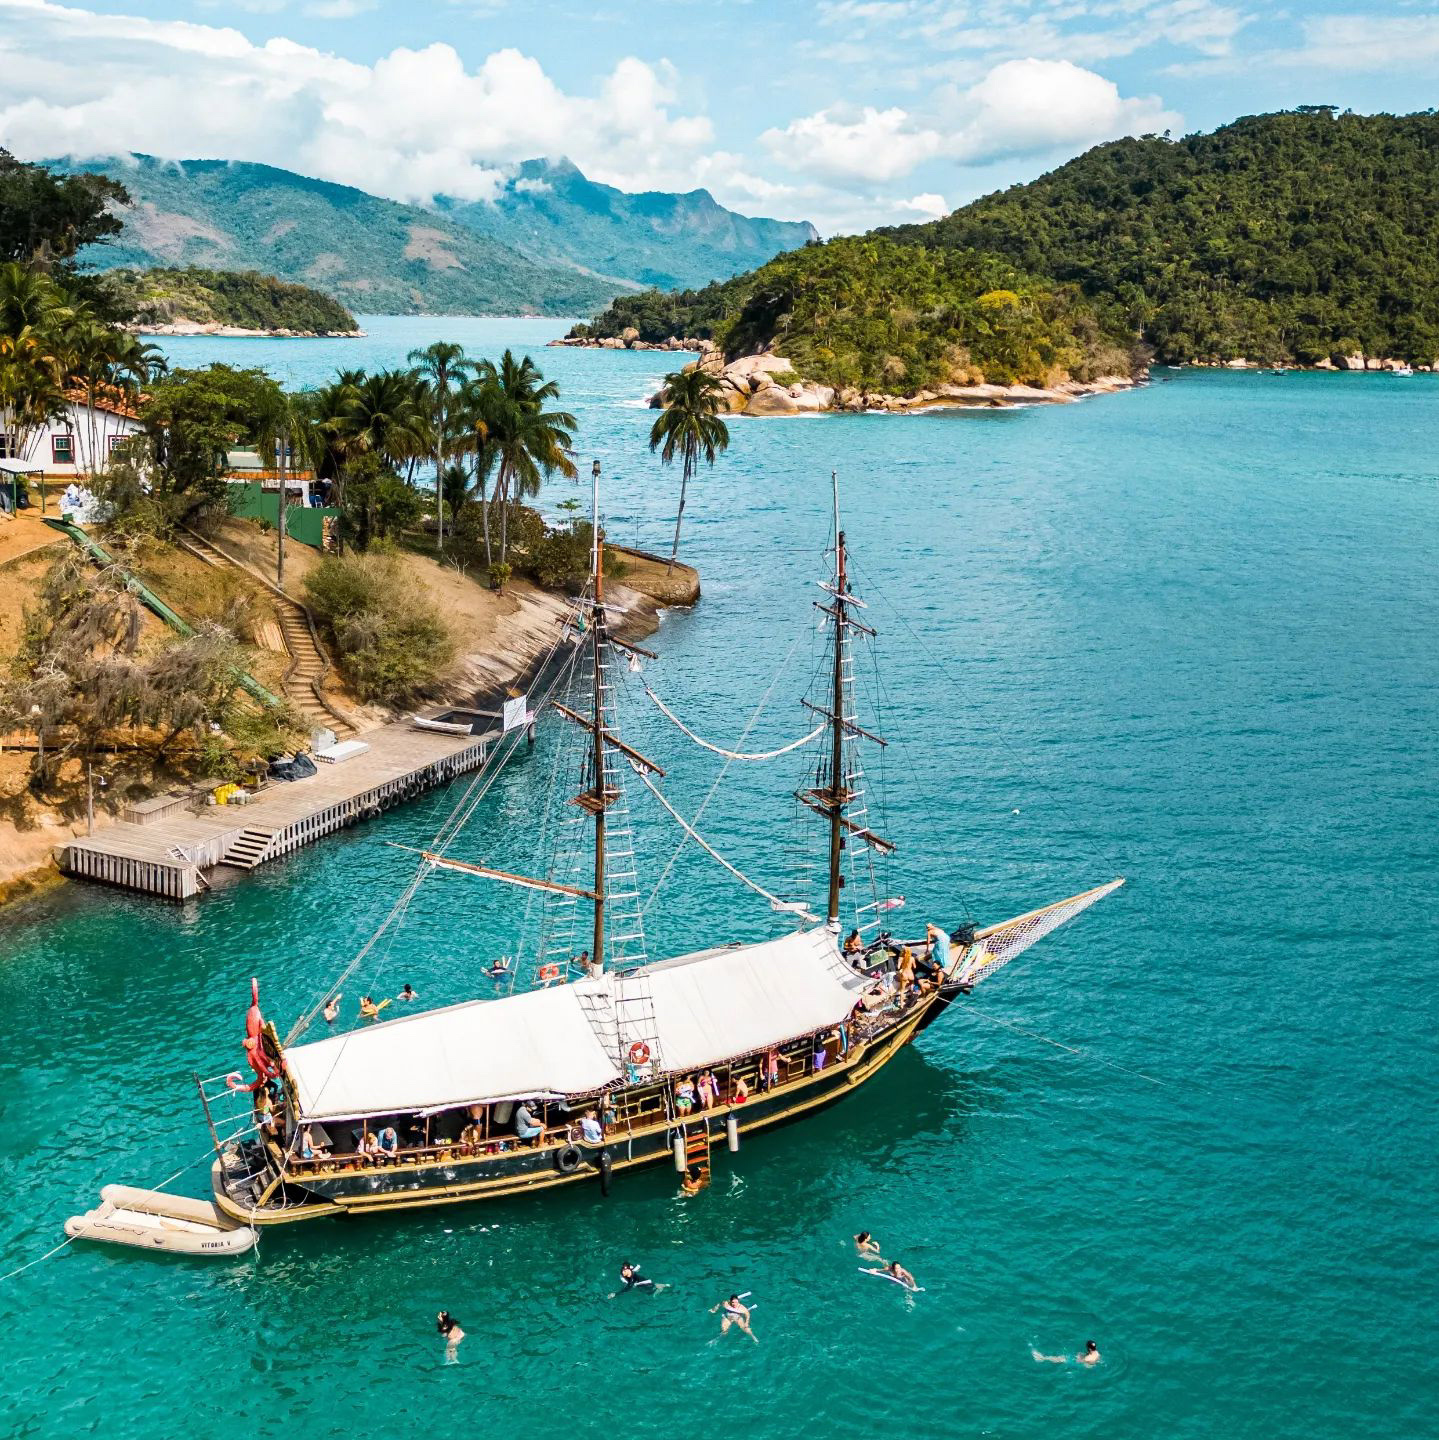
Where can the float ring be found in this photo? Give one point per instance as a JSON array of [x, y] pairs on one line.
[[639, 1053]]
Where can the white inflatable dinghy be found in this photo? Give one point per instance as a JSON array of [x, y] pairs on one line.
[[152, 1220]]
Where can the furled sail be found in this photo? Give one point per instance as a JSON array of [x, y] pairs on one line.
[[996, 945]]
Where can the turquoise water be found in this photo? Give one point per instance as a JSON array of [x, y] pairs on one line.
[[1186, 635]]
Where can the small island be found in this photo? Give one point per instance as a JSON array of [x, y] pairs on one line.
[[195, 301]]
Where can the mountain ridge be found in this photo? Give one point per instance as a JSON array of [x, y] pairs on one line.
[[560, 244]]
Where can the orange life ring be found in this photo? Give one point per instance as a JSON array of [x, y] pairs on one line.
[[549, 972], [639, 1053], [235, 1081]]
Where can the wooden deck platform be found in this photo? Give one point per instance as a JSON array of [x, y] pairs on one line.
[[169, 855]]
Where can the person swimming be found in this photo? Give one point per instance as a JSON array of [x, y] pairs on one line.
[[1088, 1356], [866, 1244], [449, 1327], [332, 1008], [893, 1271], [633, 1280], [736, 1312]]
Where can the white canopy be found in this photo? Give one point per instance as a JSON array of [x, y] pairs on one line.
[[529, 1045], [721, 1003], [707, 1007]]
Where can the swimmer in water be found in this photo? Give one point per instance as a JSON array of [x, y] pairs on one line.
[[1088, 1356], [449, 1327], [368, 1009], [866, 1244], [896, 1272], [736, 1312], [498, 970], [633, 1280], [332, 1008]]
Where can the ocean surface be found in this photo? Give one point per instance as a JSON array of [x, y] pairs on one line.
[[1187, 635]]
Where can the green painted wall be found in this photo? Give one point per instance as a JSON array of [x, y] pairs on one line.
[[251, 501]]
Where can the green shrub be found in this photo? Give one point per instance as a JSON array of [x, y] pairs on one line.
[[391, 643]]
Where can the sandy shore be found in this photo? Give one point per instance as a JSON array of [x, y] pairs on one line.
[[237, 332]]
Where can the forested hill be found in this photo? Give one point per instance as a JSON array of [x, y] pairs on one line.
[[241, 298], [1291, 236], [1287, 237]]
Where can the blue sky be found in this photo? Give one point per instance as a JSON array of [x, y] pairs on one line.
[[850, 113]]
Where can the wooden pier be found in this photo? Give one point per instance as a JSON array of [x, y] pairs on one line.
[[169, 856]]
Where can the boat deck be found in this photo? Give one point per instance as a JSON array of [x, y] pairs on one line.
[[168, 856]]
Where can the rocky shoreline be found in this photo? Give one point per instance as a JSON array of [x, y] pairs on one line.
[[630, 340], [767, 385], [238, 332]]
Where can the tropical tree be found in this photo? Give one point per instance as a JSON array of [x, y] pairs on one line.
[[689, 426], [529, 443], [385, 415], [444, 366]]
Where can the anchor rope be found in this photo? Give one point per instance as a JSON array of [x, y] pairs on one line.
[[790, 906], [719, 749]]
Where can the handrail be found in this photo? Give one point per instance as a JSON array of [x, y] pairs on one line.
[[153, 602], [326, 665]]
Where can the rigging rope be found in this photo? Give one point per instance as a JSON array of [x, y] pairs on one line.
[[724, 769], [789, 906], [719, 750]]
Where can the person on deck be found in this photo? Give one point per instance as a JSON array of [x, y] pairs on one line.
[[938, 948], [526, 1126], [388, 1142], [591, 1131], [369, 1147], [904, 974], [769, 1071], [707, 1090], [853, 945], [741, 1092], [685, 1095]]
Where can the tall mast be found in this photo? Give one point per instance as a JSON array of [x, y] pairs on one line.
[[837, 794], [597, 619]]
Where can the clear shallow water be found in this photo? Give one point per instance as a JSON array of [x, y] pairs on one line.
[[1187, 634]]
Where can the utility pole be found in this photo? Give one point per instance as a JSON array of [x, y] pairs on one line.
[[281, 447]]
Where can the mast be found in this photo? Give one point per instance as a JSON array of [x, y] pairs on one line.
[[836, 748], [597, 617]]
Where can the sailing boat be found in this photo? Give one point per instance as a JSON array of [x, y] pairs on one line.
[[583, 1080]]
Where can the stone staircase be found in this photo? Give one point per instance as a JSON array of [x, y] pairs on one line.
[[309, 664]]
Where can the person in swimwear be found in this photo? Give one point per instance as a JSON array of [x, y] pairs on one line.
[[499, 969], [1088, 1356], [866, 1244], [633, 1280], [368, 1009], [736, 1312], [449, 1327], [408, 993], [896, 1271], [692, 1182], [332, 1008]]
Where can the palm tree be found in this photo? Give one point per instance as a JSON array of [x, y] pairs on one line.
[[689, 425], [527, 442], [383, 414], [441, 364]]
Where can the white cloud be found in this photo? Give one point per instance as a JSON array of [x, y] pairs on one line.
[[932, 207], [869, 145], [1371, 43], [1033, 107], [1020, 107], [413, 124]]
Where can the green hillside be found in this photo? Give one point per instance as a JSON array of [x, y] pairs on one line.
[[373, 255], [551, 212], [227, 297], [1288, 236], [1281, 237]]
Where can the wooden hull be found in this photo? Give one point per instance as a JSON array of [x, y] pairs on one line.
[[463, 1179]]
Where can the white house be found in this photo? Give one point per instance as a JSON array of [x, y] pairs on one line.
[[77, 443]]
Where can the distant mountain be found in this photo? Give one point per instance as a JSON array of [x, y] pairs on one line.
[[551, 212], [553, 242]]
